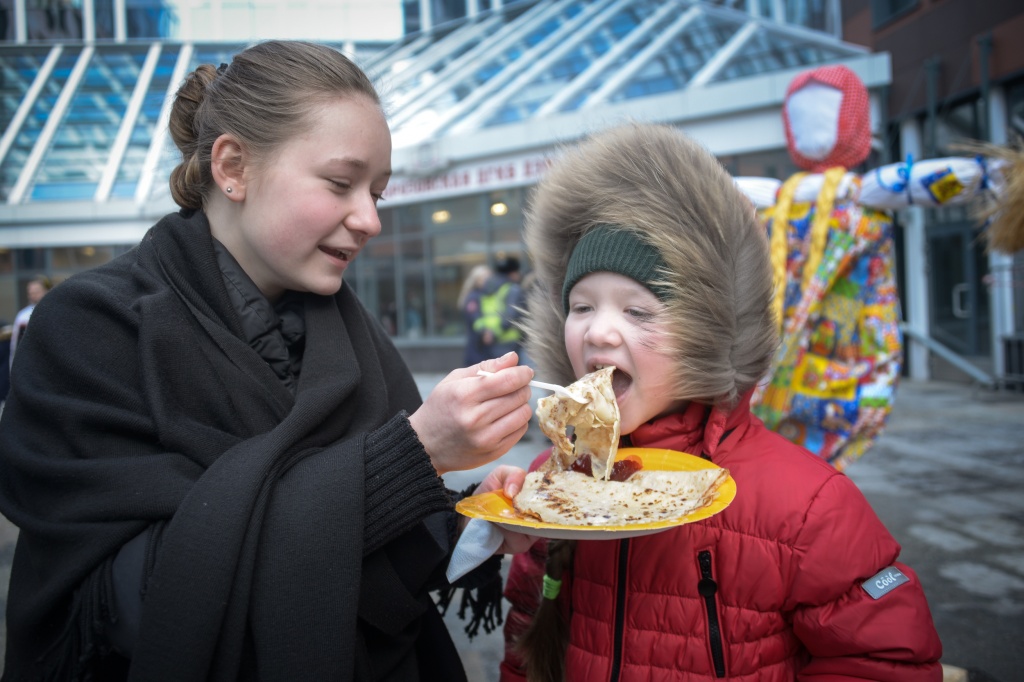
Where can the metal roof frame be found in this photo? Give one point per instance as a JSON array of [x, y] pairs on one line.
[[555, 69], [486, 100], [56, 117], [124, 132], [641, 58], [29, 101], [161, 132], [415, 100], [560, 43], [598, 66]]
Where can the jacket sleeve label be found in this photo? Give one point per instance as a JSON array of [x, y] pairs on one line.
[[884, 582]]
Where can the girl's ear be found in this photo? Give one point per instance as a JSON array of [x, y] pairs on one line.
[[227, 164]]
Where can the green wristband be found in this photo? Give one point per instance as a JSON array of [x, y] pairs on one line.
[[551, 587]]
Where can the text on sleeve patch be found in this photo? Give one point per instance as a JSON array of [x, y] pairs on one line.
[[884, 582]]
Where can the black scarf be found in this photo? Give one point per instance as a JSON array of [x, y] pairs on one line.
[[135, 401]]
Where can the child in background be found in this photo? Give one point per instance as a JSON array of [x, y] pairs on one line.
[[652, 261]]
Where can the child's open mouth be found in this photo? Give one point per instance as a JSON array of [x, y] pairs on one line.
[[621, 381]]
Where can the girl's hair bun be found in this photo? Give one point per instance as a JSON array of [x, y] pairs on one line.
[[187, 178]]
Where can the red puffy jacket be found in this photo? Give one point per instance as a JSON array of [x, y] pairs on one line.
[[775, 587]]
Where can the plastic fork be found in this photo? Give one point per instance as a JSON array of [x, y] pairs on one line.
[[558, 390]]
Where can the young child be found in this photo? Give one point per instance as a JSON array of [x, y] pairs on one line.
[[652, 261]]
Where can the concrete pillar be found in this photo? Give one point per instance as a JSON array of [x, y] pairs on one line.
[[120, 21], [88, 21], [426, 18], [20, 21], [1000, 265]]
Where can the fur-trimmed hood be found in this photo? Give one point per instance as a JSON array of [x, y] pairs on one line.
[[676, 195]]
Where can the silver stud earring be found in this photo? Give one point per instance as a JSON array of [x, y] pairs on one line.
[[228, 190]]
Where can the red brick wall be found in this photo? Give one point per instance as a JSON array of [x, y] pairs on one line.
[[949, 30]]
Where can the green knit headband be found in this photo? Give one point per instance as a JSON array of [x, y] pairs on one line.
[[607, 248]]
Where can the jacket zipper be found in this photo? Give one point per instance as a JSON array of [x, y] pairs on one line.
[[620, 609], [707, 587]]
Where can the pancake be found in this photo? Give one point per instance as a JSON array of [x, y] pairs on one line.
[[572, 498], [595, 424]]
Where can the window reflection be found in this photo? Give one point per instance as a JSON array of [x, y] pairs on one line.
[[77, 258], [18, 266], [437, 243], [506, 227], [775, 163], [413, 303], [8, 287], [6, 261], [455, 254], [374, 277]]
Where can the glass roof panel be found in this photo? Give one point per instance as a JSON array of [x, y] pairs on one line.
[[765, 53], [500, 61], [592, 47], [142, 134], [170, 156], [675, 64], [216, 54], [620, 61], [395, 85], [431, 75], [33, 125], [17, 72], [74, 164]]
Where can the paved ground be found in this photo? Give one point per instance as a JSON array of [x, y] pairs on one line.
[[947, 478]]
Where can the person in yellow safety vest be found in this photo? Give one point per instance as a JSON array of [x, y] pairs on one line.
[[501, 306]]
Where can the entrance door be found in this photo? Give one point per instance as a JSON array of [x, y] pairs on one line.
[[959, 298]]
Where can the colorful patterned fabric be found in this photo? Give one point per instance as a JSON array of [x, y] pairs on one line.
[[832, 383]]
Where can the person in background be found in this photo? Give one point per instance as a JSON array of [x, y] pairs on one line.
[[501, 306], [469, 304], [36, 288], [219, 465], [650, 260]]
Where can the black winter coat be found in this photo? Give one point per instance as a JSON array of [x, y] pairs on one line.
[[300, 534]]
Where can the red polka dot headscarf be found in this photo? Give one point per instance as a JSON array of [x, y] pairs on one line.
[[827, 119]]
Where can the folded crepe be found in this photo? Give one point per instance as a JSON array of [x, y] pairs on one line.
[[595, 424]]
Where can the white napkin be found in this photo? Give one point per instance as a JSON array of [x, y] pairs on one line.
[[479, 541]]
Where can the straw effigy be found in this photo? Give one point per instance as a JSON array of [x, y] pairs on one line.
[[1002, 213]]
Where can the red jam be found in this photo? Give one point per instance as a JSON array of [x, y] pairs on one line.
[[582, 465], [626, 467], [621, 470]]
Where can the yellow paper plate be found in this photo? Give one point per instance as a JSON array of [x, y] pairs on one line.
[[497, 508]]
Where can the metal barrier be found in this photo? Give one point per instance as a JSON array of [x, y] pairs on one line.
[[950, 356]]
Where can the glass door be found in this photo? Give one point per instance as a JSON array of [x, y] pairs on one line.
[[959, 298]]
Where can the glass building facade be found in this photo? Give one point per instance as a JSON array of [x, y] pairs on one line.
[[476, 105]]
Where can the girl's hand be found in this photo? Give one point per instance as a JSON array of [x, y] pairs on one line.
[[470, 420], [508, 479], [515, 543]]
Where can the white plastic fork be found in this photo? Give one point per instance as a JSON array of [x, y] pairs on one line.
[[559, 390]]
